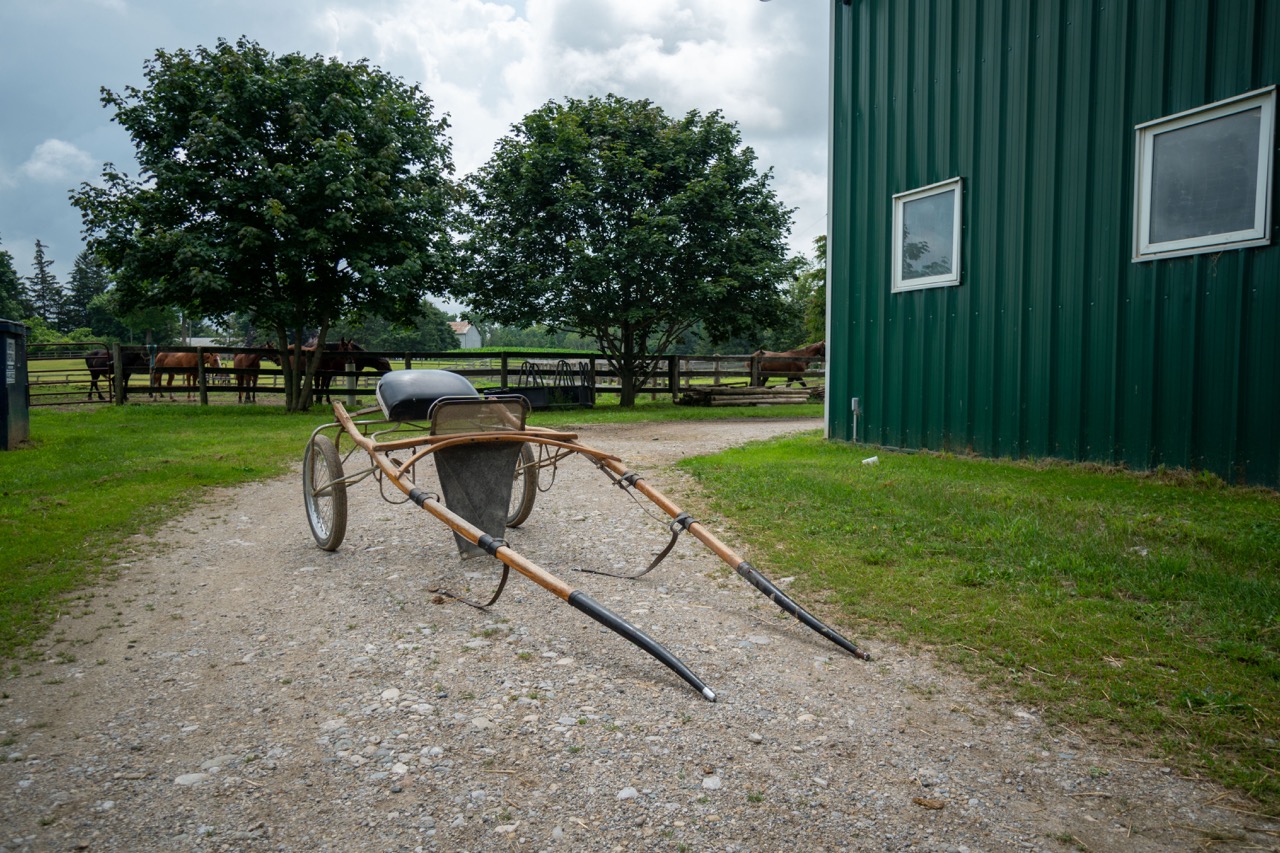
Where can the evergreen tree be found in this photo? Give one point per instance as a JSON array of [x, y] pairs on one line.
[[88, 280], [44, 293], [11, 307]]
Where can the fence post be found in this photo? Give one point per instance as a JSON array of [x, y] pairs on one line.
[[117, 374], [202, 378], [502, 378], [408, 361], [351, 385], [755, 371], [673, 376]]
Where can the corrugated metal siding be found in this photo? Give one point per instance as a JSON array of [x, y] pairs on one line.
[[1055, 343]]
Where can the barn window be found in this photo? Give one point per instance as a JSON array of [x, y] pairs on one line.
[[926, 236], [1203, 178]]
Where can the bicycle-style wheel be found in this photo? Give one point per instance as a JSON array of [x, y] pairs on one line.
[[524, 489], [324, 491]]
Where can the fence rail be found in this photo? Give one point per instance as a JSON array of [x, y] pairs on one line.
[[59, 375]]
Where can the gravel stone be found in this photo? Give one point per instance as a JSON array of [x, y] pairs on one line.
[[336, 702]]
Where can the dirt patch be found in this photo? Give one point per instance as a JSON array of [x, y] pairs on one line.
[[243, 690]]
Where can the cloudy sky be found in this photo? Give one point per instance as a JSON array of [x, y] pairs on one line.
[[485, 64]]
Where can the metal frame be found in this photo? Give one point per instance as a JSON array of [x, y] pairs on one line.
[[554, 446]]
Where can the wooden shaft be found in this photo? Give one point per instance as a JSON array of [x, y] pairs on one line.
[[487, 438], [699, 531], [452, 520]]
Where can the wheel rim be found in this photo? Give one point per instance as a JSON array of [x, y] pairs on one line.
[[320, 493]]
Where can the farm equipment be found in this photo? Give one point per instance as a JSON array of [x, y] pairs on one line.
[[487, 462]]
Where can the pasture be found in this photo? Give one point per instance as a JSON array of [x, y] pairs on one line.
[[1142, 610]]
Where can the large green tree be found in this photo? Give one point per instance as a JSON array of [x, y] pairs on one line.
[[88, 280], [428, 331], [295, 189], [608, 218], [11, 302]]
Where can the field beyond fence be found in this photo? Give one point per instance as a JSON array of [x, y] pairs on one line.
[[58, 375]]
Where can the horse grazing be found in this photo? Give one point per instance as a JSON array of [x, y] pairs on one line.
[[790, 364], [185, 363], [101, 368]]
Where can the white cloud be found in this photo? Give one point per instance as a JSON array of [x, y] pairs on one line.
[[55, 160]]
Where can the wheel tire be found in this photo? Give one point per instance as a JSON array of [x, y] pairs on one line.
[[524, 489], [324, 492]]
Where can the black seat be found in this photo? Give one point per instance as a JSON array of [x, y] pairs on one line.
[[408, 395]]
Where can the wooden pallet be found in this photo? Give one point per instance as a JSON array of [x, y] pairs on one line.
[[727, 395]]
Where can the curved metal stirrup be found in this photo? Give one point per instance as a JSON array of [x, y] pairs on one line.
[[502, 582], [548, 458], [678, 525], [382, 484]]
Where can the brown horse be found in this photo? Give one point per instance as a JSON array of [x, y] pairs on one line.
[[101, 368], [247, 365], [791, 364], [185, 363], [247, 383], [335, 359]]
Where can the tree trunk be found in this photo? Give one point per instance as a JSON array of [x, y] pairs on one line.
[[627, 367], [628, 381]]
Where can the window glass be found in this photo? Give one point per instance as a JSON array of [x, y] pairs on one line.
[[926, 236], [928, 226], [1204, 177]]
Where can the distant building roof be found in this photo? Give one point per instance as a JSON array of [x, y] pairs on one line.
[[460, 327]]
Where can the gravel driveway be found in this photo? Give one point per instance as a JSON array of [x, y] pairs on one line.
[[238, 689]]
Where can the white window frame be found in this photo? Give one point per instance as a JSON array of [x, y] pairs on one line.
[[900, 202], [1145, 136]]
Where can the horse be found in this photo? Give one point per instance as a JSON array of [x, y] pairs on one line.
[[792, 363], [186, 363], [247, 382], [101, 367], [335, 359]]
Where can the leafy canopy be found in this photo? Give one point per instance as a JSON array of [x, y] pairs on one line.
[[608, 218], [294, 189]]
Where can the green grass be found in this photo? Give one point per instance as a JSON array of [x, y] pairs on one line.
[[608, 411], [1144, 608], [93, 477]]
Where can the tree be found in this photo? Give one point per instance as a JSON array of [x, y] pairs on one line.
[[607, 218], [810, 290], [88, 281], [44, 292], [11, 301], [429, 331], [295, 189]]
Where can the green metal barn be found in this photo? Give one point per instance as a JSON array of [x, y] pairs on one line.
[[1052, 230]]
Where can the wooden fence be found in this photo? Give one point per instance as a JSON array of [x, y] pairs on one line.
[[58, 374]]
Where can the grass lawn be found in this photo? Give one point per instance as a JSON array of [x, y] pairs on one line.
[[1144, 609]]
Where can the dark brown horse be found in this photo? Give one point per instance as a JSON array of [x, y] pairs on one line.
[[335, 359], [791, 364], [186, 363], [101, 368]]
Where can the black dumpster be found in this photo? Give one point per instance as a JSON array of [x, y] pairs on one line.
[[15, 417]]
